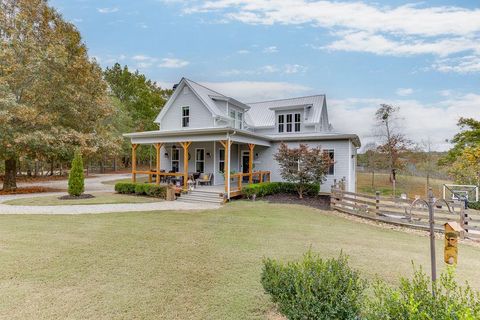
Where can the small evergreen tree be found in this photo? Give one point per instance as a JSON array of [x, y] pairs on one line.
[[76, 179]]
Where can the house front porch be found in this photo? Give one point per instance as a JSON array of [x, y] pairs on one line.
[[219, 159]]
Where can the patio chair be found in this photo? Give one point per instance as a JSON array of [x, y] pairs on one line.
[[205, 178]]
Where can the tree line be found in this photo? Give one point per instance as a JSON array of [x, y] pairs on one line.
[[55, 99], [394, 152]]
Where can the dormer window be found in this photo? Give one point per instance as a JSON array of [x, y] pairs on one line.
[[185, 117], [290, 122], [237, 119]]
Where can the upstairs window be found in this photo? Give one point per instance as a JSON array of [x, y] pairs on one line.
[[185, 117], [239, 121], [281, 123], [290, 122], [297, 122]]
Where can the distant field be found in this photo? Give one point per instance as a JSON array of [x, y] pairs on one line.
[[405, 184]]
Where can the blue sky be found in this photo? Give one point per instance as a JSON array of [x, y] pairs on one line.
[[421, 56]]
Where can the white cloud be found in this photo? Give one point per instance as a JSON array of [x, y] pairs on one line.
[[420, 121], [285, 69], [467, 64], [249, 91], [141, 57], [404, 91], [107, 10], [173, 63], [243, 51], [410, 29], [271, 49]]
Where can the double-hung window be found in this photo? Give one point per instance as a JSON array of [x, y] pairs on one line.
[[281, 123], [200, 160], [221, 160], [175, 159], [239, 123], [331, 156], [185, 117], [297, 122], [290, 122]]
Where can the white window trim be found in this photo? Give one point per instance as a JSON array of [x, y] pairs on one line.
[[220, 159], [172, 160], [196, 160], [334, 166], [285, 115], [183, 107], [237, 123]]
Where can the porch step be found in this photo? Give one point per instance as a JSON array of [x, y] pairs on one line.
[[197, 196]]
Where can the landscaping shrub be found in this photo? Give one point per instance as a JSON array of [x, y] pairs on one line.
[[474, 205], [125, 187], [314, 288], [141, 189], [76, 179], [269, 188], [413, 299]]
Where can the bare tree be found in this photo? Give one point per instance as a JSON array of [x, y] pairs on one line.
[[392, 141]]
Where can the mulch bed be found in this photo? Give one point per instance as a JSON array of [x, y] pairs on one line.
[[27, 190], [82, 196], [319, 202]]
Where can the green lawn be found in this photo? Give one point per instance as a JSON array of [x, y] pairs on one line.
[[184, 265], [410, 185], [100, 198]]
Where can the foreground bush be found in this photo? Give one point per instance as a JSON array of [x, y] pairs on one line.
[[76, 179], [268, 188], [141, 189], [413, 299], [314, 288]]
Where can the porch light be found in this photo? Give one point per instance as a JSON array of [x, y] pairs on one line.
[[209, 155], [166, 154]]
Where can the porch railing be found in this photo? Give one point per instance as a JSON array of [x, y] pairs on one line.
[[237, 179]]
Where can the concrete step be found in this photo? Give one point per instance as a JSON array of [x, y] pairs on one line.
[[194, 199]]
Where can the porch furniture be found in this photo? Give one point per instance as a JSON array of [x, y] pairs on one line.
[[205, 178]]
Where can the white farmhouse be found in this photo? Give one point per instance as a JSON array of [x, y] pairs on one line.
[[215, 138]]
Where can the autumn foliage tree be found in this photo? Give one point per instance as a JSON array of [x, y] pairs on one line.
[[53, 98], [463, 160], [302, 165]]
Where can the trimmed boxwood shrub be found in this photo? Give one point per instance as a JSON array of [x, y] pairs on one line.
[[269, 188], [125, 187], [141, 189], [313, 288], [76, 179]]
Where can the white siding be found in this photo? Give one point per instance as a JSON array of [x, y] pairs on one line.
[[200, 116], [343, 161]]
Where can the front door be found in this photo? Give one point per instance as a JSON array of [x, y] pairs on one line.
[[245, 163]]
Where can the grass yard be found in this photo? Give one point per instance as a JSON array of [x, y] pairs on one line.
[[100, 198], [185, 265], [410, 185], [140, 179]]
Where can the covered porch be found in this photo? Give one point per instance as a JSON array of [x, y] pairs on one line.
[[220, 158]]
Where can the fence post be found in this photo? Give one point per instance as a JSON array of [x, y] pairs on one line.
[[464, 219], [377, 203]]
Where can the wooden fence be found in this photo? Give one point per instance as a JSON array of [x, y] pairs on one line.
[[401, 212]]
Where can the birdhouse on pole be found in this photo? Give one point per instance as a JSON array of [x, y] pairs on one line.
[[452, 233]]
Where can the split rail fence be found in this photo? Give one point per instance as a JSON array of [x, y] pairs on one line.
[[401, 212]]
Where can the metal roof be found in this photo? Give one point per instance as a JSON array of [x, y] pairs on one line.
[[262, 114]]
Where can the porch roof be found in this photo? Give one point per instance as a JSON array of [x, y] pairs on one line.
[[196, 135]]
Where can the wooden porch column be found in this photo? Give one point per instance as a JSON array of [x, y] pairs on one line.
[[226, 145], [134, 162], [250, 163], [158, 146], [185, 146]]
